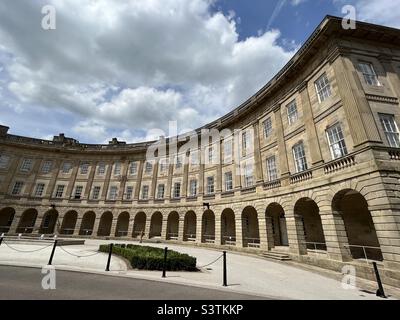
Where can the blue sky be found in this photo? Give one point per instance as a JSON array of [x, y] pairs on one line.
[[296, 22], [126, 68]]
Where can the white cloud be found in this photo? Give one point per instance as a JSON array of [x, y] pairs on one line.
[[122, 66]]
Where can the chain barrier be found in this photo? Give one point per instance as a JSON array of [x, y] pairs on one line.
[[27, 251], [212, 262], [78, 256]]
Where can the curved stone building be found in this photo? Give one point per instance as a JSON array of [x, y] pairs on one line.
[[316, 173]]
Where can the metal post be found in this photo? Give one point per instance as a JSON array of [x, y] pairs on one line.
[[52, 252], [380, 292], [165, 262], [109, 256], [225, 282], [1, 240]]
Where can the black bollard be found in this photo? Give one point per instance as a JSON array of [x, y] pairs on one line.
[[52, 252], [165, 262], [380, 292], [109, 256], [225, 282]]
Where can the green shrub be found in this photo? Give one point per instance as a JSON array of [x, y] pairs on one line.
[[150, 258]]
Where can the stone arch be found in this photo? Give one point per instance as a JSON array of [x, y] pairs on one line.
[[208, 227], [49, 222], [190, 226], [275, 216], [358, 223], [156, 225], [139, 224], [314, 236], [87, 224], [27, 221], [173, 226], [6, 219], [69, 222], [228, 227], [122, 227], [105, 224], [250, 227]]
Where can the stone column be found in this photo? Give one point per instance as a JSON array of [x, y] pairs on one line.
[[53, 180], [181, 227], [106, 182], [114, 225], [96, 226], [387, 225], [124, 177], [282, 152], [153, 189], [185, 177], [217, 232], [270, 232], [258, 172], [164, 228], [201, 172], [72, 179], [199, 226], [358, 111], [264, 234], [295, 230], [335, 235], [130, 226], [312, 135], [169, 181], [147, 227], [139, 180], [89, 183], [78, 225], [239, 230]]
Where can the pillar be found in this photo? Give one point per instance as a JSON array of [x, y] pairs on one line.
[[358, 111], [295, 230]]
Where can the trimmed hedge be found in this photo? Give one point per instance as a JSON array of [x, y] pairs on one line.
[[150, 258]]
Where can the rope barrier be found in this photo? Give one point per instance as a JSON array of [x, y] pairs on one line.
[[27, 251], [211, 262], [75, 255]]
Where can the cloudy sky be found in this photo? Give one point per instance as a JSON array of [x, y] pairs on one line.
[[122, 68]]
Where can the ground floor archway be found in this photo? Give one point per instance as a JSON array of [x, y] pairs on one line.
[[27, 221], [360, 229], [105, 224], [276, 217], [87, 224], [6, 219], [69, 222], [50, 222], [250, 228], [156, 225], [312, 225], [121, 229], [139, 225], [208, 227], [228, 227], [190, 226], [173, 226]]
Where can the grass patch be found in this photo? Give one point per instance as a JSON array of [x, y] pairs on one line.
[[150, 258]]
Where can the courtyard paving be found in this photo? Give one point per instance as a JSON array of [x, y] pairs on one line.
[[246, 274]]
